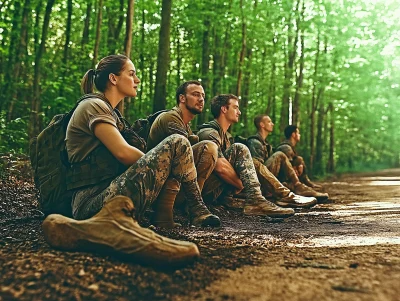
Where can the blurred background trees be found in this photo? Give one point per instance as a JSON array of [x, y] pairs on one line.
[[331, 67]]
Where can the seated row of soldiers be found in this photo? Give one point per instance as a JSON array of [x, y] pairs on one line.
[[171, 172], [256, 170]]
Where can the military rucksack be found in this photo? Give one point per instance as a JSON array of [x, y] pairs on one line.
[[142, 126], [50, 164]]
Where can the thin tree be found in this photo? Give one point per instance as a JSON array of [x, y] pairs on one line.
[[34, 125], [160, 97]]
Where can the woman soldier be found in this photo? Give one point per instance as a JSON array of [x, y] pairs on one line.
[[114, 183]]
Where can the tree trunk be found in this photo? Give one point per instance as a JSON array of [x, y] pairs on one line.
[[114, 30], [288, 74], [331, 159], [98, 33], [319, 139], [86, 27], [12, 49], [314, 106], [160, 97], [242, 53], [128, 45], [34, 126], [299, 81], [66, 45], [205, 66], [21, 51]]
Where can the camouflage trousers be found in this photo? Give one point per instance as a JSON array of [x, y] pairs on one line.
[[143, 181], [269, 183], [205, 154], [238, 155], [280, 166], [301, 169]]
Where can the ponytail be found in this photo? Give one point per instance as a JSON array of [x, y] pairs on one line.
[[99, 77], [87, 82]]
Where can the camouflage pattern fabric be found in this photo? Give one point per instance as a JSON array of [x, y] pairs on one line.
[[289, 150], [143, 180], [271, 167], [204, 153], [238, 155]]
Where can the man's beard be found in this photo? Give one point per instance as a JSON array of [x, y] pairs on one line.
[[193, 110]]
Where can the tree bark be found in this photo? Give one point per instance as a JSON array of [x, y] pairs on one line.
[[34, 126], [160, 97], [21, 51], [66, 44], [331, 158], [205, 66], [299, 81], [128, 46], [288, 74], [98, 33], [86, 27], [242, 53]]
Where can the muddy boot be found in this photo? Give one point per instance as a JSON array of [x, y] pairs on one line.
[[296, 201], [164, 205], [114, 230], [304, 190], [199, 214], [264, 207]]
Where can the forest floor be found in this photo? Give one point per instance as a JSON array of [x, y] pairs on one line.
[[345, 249]]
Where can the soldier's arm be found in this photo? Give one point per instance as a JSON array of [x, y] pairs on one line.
[[223, 168], [116, 144], [256, 149], [225, 171]]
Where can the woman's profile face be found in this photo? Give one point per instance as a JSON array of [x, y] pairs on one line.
[[127, 82]]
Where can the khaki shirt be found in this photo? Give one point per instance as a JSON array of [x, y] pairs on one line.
[[166, 124], [259, 148], [213, 131], [80, 139]]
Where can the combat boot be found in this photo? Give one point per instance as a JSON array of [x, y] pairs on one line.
[[264, 207], [114, 230], [296, 201], [304, 190], [199, 214], [164, 205]]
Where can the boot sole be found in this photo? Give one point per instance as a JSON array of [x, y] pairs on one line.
[[211, 221], [294, 205]]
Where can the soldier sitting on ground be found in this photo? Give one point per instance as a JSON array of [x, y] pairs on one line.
[[292, 134], [234, 170], [273, 166], [189, 103], [119, 182]]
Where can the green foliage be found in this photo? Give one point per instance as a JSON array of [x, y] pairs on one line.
[[13, 135], [357, 70]]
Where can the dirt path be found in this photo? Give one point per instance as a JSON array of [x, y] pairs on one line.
[[348, 249]]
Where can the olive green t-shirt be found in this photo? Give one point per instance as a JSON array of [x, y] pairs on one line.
[[80, 138], [166, 124]]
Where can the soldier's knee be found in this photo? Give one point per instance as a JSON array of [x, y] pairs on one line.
[[280, 155], [240, 147], [211, 148], [178, 139]]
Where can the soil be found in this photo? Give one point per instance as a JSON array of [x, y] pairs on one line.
[[345, 249]]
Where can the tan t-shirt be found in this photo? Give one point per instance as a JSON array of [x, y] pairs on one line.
[[80, 138]]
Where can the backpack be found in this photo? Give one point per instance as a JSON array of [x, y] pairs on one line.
[[50, 164], [142, 126]]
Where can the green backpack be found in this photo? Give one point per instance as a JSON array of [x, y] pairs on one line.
[[50, 165]]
